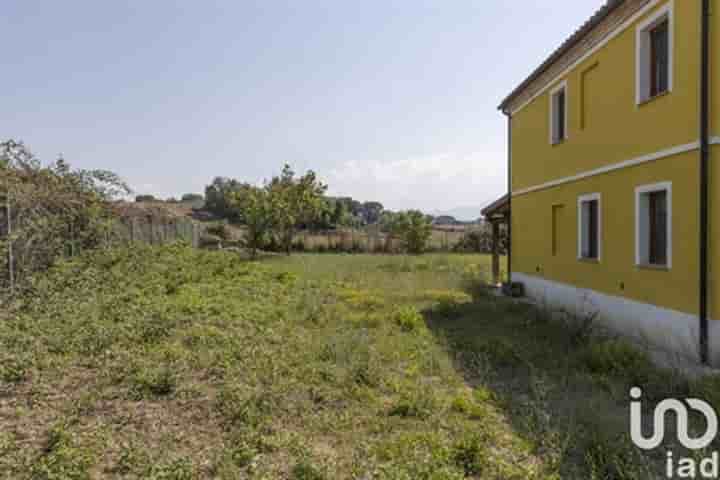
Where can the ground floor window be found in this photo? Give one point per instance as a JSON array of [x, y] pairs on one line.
[[589, 227], [654, 225], [556, 216]]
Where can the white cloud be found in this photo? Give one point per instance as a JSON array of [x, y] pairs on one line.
[[432, 182]]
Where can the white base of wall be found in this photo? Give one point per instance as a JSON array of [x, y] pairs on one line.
[[656, 327]]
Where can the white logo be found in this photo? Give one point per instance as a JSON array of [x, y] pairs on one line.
[[681, 415]]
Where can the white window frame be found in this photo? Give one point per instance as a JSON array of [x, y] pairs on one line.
[[642, 52], [581, 200], [553, 93], [640, 225]]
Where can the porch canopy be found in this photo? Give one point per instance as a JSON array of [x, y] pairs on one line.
[[497, 213]]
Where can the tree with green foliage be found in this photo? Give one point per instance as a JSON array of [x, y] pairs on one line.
[[257, 211], [50, 212], [413, 228], [218, 197], [145, 198], [192, 197], [295, 202]]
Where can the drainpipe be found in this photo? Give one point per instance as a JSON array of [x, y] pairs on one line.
[[509, 189], [704, 178]]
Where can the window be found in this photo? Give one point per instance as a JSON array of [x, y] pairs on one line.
[[654, 56], [659, 66], [558, 114], [653, 225], [589, 227], [556, 215]]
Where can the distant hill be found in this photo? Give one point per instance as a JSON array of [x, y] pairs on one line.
[[463, 214]]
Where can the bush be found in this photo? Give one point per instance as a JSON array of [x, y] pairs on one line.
[[54, 212], [154, 381], [408, 319], [471, 455], [419, 403], [414, 230]]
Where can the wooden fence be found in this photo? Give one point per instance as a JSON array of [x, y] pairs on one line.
[[159, 231]]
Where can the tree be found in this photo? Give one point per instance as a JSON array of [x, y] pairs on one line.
[[192, 197], [145, 198], [257, 210], [372, 212], [218, 197], [295, 202], [388, 222], [414, 229], [50, 211]]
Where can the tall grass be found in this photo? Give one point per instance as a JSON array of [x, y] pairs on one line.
[[169, 362]]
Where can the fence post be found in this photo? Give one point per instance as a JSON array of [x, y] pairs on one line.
[[11, 260], [496, 252]]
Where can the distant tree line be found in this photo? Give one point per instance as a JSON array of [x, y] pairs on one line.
[[272, 213], [195, 198]]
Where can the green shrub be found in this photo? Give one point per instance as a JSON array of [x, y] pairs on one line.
[[471, 405], [304, 470], [470, 453], [419, 403], [408, 319], [153, 381]]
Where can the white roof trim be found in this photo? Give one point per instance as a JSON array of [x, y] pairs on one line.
[[611, 35]]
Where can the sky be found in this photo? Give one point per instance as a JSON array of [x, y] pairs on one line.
[[387, 100]]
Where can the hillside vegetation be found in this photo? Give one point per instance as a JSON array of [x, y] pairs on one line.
[[173, 363]]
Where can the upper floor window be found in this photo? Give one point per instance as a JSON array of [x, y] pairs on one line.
[[558, 114], [654, 56]]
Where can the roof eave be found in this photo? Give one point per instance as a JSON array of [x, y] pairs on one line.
[[574, 39]]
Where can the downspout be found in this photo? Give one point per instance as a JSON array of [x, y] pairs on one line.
[[509, 189], [704, 178]]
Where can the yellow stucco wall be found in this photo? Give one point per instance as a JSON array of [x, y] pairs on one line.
[[714, 214], [532, 235], [614, 129]]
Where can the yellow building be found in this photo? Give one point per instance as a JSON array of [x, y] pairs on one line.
[[613, 192]]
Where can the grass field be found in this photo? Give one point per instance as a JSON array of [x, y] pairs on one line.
[[172, 363]]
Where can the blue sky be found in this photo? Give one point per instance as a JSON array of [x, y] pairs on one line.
[[389, 100]]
